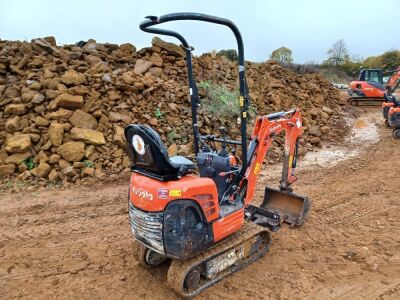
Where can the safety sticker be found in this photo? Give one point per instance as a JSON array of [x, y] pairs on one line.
[[257, 169], [175, 193], [162, 193], [138, 144]]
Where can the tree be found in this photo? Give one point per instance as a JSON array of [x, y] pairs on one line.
[[352, 65], [229, 53], [390, 59], [282, 55], [338, 54], [372, 62]]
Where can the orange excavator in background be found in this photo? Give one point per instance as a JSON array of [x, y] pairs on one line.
[[369, 89], [199, 215]]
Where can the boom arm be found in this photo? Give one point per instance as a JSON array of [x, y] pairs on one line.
[[393, 82], [265, 129]]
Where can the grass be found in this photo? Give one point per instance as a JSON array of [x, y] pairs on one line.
[[88, 163], [53, 184], [29, 163], [15, 183], [171, 136], [158, 113], [222, 102]]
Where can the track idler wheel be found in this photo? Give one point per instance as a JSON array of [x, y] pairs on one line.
[[353, 102], [192, 279], [396, 134], [146, 257]]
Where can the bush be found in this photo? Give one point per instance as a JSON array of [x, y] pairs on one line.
[[229, 53], [222, 102]]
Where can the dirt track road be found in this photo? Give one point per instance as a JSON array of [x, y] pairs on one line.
[[77, 243]]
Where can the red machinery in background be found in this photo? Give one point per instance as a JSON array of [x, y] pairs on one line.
[[369, 89]]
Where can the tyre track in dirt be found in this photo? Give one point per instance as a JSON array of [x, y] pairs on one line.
[[77, 243]]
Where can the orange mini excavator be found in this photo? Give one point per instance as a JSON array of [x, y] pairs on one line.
[[200, 216], [369, 88]]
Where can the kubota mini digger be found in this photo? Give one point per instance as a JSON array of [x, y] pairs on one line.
[[202, 217], [369, 88]]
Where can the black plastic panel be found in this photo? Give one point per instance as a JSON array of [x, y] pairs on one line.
[[186, 231]]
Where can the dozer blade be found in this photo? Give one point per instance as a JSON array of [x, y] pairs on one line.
[[365, 101], [291, 208]]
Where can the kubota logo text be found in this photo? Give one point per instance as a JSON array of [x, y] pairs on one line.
[[142, 193], [275, 128]]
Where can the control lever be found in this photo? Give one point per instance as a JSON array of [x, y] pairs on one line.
[[204, 146], [222, 132], [223, 151]]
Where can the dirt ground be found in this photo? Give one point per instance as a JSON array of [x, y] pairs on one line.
[[77, 243]]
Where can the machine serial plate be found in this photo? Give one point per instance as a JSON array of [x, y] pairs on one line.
[[224, 261]]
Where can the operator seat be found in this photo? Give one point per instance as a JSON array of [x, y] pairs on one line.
[[150, 157]]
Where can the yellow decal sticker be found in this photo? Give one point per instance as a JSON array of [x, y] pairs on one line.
[[175, 193], [257, 169], [290, 161], [244, 114], [241, 101]]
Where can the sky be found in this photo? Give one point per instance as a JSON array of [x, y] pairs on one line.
[[307, 27]]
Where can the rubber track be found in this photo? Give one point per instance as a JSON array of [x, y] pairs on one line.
[[179, 268], [363, 101]]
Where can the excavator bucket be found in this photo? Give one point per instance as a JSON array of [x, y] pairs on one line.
[[291, 208]]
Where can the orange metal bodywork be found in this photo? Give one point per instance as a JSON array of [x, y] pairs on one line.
[[369, 90], [387, 104], [394, 79], [224, 227], [394, 110], [153, 195]]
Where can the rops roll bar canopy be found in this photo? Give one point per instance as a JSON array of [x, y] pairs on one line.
[[244, 100]]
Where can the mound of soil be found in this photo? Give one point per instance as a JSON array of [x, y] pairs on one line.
[[63, 108]]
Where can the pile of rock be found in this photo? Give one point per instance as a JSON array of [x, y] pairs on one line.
[[63, 109]]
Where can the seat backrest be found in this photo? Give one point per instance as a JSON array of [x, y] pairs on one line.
[[148, 153]]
